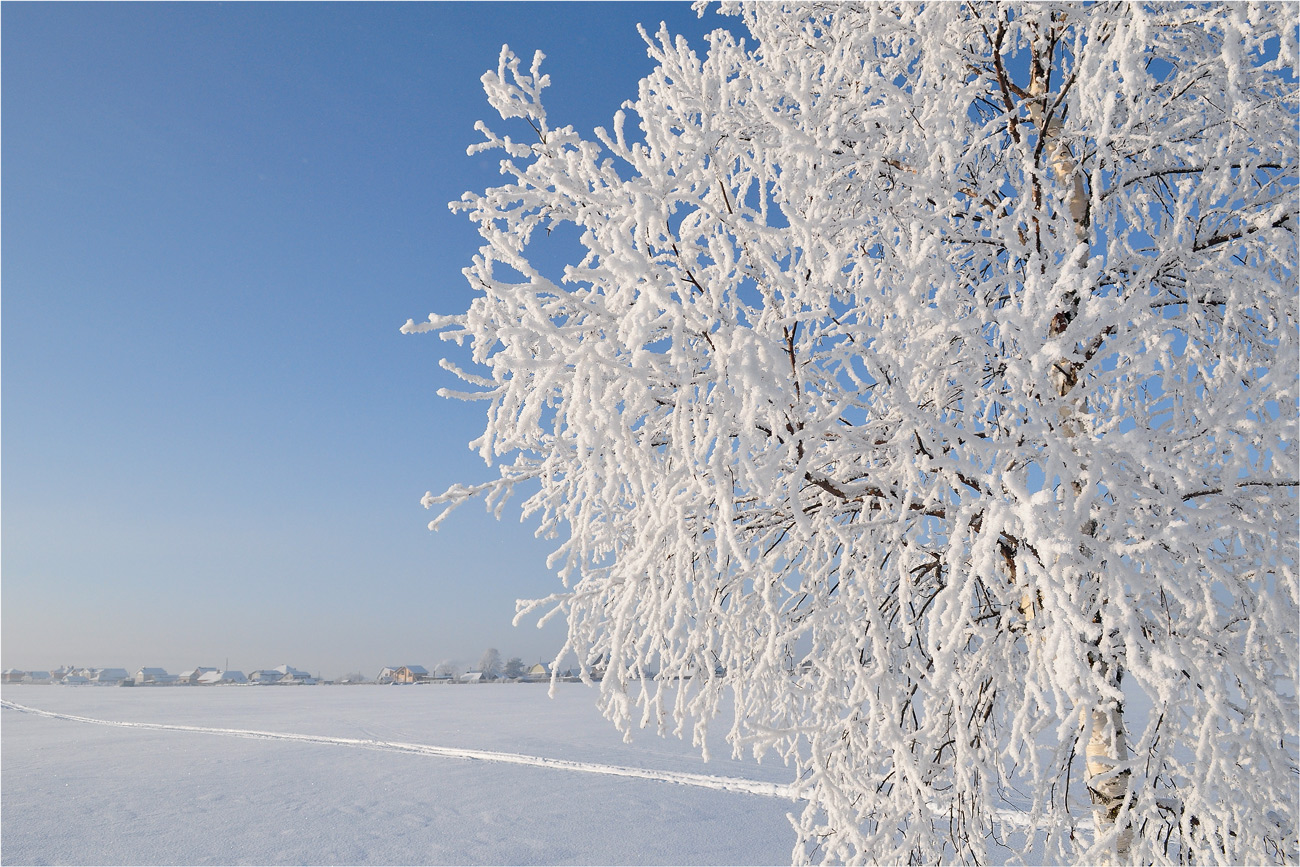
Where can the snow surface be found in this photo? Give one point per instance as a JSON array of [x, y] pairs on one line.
[[367, 775]]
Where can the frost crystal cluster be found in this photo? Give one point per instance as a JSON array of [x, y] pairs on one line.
[[922, 393]]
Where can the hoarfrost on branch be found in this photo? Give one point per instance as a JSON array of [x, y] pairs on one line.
[[925, 387]]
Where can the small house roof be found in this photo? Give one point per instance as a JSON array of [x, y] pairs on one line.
[[215, 676]]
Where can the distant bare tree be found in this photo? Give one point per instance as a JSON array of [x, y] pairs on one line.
[[490, 664]]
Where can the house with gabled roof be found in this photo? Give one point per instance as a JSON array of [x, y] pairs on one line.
[[110, 675], [154, 677], [289, 674], [411, 674], [214, 677], [192, 676], [283, 674], [403, 674]]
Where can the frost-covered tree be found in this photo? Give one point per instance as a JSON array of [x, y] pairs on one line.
[[924, 385], [490, 663], [513, 668]]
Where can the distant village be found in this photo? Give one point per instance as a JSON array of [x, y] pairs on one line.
[[513, 671]]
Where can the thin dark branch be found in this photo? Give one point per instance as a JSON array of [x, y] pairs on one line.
[[1262, 483]]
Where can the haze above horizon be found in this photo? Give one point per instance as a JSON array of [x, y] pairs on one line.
[[216, 218]]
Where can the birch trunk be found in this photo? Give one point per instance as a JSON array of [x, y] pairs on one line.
[[1106, 753]]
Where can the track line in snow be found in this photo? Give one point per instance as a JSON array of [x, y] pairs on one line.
[[705, 781]]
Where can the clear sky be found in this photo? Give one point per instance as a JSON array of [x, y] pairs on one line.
[[215, 220]]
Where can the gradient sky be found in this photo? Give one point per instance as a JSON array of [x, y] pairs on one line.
[[215, 220]]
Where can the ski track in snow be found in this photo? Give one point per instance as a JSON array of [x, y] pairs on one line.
[[726, 784]]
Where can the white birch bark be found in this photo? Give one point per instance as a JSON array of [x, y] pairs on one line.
[[1106, 754]]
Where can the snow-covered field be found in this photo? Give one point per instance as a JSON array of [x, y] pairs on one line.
[[367, 775]]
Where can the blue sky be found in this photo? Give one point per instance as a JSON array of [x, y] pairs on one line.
[[215, 220]]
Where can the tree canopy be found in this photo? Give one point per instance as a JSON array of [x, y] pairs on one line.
[[922, 383]]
